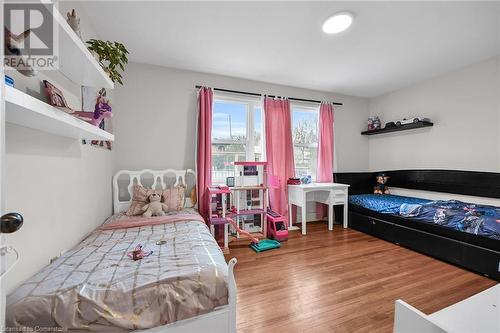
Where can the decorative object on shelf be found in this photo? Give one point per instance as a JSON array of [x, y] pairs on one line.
[[13, 44], [381, 187], [97, 102], [74, 22], [101, 111], [376, 123], [392, 127], [369, 126], [27, 111], [112, 57], [9, 81], [415, 120], [55, 97], [293, 181]]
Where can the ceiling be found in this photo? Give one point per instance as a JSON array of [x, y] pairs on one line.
[[389, 46]]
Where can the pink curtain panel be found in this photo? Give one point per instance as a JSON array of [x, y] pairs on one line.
[[204, 148], [279, 151], [324, 172]]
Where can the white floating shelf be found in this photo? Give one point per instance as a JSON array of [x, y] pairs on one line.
[[25, 110], [75, 60]]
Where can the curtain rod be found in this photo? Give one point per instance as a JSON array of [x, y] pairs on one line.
[[270, 96]]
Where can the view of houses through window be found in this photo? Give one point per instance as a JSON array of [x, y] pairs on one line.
[[305, 139], [238, 130], [237, 134]]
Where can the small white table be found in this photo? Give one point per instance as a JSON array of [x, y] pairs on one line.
[[330, 194]]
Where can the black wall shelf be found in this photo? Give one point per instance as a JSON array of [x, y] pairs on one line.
[[420, 124]]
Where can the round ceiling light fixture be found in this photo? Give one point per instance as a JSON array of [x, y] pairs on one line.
[[337, 23]]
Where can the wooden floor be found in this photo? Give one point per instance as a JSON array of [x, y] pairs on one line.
[[340, 281]]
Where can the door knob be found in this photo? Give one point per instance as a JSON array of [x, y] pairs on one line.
[[11, 222]]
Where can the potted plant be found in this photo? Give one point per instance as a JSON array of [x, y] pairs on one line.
[[112, 57]]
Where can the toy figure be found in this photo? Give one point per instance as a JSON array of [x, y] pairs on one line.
[[102, 109], [74, 22], [138, 253], [381, 188], [370, 124]]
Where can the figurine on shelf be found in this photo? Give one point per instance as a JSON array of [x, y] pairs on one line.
[[369, 126], [74, 22], [102, 109]]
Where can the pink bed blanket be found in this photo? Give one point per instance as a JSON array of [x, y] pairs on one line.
[[124, 221], [96, 287]]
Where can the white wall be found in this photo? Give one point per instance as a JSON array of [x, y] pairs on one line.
[[62, 188], [155, 118], [465, 108]]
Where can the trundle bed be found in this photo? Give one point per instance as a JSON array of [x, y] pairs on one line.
[[459, 233], [184, 285]]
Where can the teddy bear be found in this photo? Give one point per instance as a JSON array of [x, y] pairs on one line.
[[155, 207], [381, 188]]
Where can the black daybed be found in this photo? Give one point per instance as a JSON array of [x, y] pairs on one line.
[[476, 250]]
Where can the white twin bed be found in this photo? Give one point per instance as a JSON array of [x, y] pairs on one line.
[[185, 285]]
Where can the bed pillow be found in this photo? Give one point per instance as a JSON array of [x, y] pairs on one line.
[[174, 198], [140, 197]]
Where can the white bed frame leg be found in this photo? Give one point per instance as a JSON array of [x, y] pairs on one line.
[[232, 290]]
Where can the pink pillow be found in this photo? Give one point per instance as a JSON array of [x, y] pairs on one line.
[[172, 197], [140, 197]]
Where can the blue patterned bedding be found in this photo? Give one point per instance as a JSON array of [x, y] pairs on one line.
[[462, 216], [383, 203]]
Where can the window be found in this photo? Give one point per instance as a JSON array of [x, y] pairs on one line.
[[305, 139], [237, 134]]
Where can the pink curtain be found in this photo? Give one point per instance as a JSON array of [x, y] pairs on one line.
[[204, 148], [279, 151], [324, 173]]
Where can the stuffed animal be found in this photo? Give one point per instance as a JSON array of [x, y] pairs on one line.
[[381, 188], [154, 207], [74, 22]]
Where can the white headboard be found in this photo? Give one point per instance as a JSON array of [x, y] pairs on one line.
[[124, 181]]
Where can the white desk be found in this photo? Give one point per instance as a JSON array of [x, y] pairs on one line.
[[330, 194]]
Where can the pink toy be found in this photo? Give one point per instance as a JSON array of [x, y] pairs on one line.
[[138, 253], [241, 231], [276, 227]]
